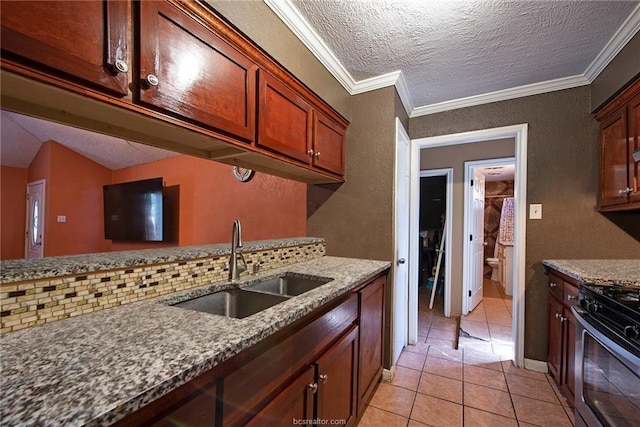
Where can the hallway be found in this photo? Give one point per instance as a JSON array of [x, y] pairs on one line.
[[475, 385]]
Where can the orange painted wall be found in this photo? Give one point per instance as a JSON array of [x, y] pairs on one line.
[[13, 186], [75, 191], [211, 199]]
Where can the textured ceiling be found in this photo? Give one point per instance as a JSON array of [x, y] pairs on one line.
[[449, 50], [22, 136]]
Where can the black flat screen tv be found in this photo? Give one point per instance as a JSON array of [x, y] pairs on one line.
[[133, 211]]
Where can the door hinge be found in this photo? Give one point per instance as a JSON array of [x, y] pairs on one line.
[[472, 183], [469, 293]]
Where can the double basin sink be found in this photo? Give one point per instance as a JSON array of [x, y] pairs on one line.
[[258, 296]]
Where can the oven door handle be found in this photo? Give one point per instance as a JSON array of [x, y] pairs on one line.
[[629, 359]]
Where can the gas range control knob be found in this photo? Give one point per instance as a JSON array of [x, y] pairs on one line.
[[631, 332], [593, 307]]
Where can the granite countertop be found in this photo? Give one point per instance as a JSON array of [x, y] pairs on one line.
[[31, 269], [599, 271], [95, 368]]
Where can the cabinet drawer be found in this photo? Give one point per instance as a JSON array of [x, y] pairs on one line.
[[570, 293], [556, 287], [256, 382]]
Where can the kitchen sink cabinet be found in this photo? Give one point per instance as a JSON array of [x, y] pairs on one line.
[[337, 386], [83, 42], [188, 71], [325, 365], [295, 402], [192, 404], [619, 138], [563, 294]]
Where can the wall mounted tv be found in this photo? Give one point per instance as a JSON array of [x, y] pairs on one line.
[[134, 211]]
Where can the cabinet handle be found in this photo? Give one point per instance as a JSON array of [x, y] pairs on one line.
[[323, 378], [152, 80], [317, 155], [310, 152], [571, 297], [558, 315], [562, 319], [313, 387], [625, 191], [121, 66], [553, 285]]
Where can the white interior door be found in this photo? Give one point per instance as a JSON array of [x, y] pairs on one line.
[[401, 282], [477, 240], [34, 235]]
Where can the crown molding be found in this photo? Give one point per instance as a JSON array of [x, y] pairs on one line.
[[294, 20], [625, 33], [502, 95], [297, 23]]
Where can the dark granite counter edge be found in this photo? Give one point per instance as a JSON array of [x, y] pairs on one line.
[[41, 268], [603, 277]]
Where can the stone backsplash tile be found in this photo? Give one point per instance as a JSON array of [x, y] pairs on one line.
[[31, 303]]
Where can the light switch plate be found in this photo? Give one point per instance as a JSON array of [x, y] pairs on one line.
[[62, 218], [535, 211]]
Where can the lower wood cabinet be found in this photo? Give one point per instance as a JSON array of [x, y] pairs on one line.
[[371, 340], [563, 292], [324, 366], [295, 402], [337, 370]]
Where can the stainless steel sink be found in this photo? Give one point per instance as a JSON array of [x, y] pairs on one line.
[[235, 303], [289, 285]]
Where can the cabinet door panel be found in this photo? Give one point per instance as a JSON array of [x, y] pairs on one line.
[[78, 40], [192, 404], [554, 357], [200, 77], [371, 335], [634, 144], [328, 143], [613, 159], [569, 351], [285, 120], [337, 370], [294, 403]]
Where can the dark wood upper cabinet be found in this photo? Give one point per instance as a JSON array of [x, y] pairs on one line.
[[328, 144], [188, 71], [619, 138], [285, 119], [79, 41]]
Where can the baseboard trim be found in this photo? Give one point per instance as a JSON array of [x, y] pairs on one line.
[[535, 365], [388, 374]]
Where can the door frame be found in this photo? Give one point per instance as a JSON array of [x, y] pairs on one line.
[[520, 133], [414, 243], [27, 223], [469, 218], [400, 318]]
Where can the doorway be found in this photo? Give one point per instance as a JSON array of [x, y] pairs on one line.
[[34, 234], [518, 134]]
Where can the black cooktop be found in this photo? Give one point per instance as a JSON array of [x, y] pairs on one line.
[[617, 295]]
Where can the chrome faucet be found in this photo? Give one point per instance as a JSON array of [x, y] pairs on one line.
[[236, 249]]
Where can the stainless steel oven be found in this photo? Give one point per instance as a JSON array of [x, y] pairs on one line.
[[607, 362]]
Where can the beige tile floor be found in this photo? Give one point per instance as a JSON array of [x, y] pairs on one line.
[[474, 385]]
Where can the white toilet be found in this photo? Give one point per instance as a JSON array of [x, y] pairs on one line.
[[494, 263]]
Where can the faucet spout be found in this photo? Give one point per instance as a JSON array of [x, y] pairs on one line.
[[236, 252]]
